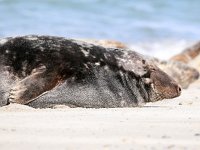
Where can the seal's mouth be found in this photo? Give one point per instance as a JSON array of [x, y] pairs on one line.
[[155, 95], [168, 92]]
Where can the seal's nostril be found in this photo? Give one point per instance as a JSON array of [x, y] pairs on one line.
[[179, 89], [196, 75]]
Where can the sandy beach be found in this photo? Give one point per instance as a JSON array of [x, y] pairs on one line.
[[167, 124], [161, 29]]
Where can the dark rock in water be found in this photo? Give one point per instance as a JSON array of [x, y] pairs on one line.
[[42, 71]]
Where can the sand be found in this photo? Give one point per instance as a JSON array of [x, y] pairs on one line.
[[167, 124]]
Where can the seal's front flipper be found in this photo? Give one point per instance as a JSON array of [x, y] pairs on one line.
[[33, 85], [7, 79]]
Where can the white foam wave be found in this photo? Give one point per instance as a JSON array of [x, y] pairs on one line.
[[163, 49]]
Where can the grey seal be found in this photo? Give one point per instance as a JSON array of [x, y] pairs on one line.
[[183, 74], [190, 56], [42, 71]]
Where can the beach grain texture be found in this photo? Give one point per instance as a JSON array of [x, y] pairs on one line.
[[167, 124]]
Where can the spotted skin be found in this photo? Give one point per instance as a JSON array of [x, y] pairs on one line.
[[51, 70]]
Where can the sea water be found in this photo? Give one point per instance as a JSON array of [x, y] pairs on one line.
[[160, 28]]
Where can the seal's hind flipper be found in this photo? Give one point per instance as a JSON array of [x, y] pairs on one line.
[[32, 86]]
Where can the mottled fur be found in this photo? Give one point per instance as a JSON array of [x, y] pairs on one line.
[[188, 54], [106, 43], [52, 70], [180, 72]]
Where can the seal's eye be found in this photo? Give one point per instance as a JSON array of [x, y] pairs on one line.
[[153, 69]]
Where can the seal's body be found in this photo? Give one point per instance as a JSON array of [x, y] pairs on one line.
[[45, 70], [182, 73], [190, 56]]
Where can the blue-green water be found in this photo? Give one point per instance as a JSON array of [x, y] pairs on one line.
[[129, 21]]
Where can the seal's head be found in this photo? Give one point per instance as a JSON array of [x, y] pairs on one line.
[[161, 85]]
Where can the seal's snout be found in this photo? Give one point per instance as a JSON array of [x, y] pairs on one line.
[[164, 86], [175, 90]]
